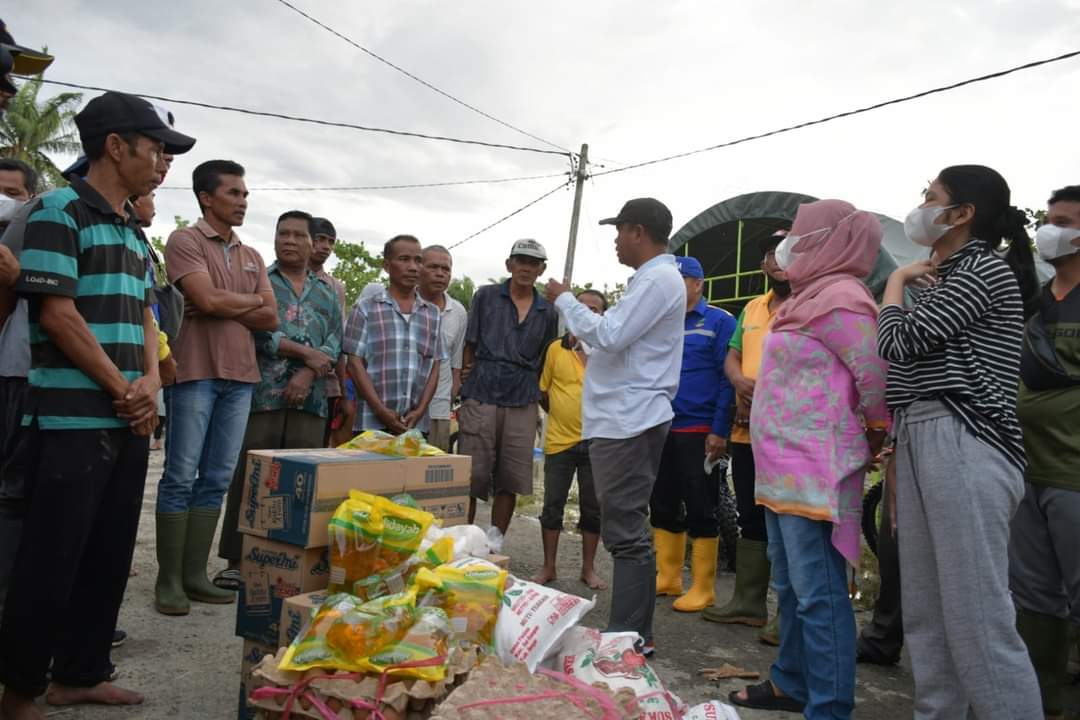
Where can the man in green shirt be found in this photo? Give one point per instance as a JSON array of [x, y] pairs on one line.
[[289, 405], [1044, 552]]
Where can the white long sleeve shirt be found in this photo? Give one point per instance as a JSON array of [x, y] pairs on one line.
[[633, 371]]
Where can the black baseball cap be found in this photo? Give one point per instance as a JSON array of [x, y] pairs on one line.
[[648, 212], [25, 61], [771, 241], [322, 226], [116, 112]]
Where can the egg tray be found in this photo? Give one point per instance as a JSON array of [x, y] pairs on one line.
[[401, 699]]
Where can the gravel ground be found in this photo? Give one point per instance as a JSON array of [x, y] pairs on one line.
[[188, 667]]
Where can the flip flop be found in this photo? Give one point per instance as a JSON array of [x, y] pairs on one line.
[[763, 697], [228, 579]]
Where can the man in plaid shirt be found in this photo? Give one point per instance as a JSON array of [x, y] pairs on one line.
[[394, 345]]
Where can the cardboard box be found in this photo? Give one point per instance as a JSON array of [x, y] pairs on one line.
[[253, 655], [295, 612], [290, 495], [271, 572], [502, 561]]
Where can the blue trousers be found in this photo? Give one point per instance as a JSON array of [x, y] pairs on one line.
[[816, 662], [203, 437]]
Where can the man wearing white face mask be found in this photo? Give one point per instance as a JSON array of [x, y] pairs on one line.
[[18, 184], [1044, 557]]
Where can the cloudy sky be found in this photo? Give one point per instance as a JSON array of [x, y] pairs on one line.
[[634, 79]]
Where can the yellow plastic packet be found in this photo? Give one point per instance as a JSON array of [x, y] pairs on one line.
[[426, 641], [355, 532], [471, 596], [345, 630], [403, 531], [410, 443]]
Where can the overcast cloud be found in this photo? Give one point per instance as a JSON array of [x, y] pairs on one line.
[[633, 79]]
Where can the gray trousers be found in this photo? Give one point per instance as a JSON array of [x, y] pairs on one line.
[[624, 472], [1044, 552], [955, 499]]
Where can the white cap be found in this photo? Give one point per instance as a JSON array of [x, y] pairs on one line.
[[529, 248]]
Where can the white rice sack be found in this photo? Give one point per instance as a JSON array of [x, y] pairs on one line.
[[532, 621], [611, 658], [712, 710]]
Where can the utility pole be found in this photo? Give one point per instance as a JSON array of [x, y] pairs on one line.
[[571, 245]]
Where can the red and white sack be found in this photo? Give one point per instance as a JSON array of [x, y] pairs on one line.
[[712, 710], [532, 621], [611, 658]]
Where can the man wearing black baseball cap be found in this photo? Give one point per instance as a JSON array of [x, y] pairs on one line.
[[630, 382], [94, 375], [17, 59]]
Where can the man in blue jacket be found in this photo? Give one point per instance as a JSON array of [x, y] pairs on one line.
[[686, 495]]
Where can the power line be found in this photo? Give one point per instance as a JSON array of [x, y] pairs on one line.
[[876, 106], [504, 218], [356, 188], [313, 121], [423, 82]]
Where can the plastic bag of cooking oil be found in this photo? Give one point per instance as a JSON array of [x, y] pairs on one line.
[[471, 596], [355, 532], [410, 443], [345, 630], [403, 531], [425, 647]]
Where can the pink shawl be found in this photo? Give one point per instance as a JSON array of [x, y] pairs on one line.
[[828, 268]]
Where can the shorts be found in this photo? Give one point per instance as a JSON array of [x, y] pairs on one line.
[[500, 441], [439, 433]]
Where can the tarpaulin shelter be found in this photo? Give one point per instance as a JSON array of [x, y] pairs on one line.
[[725, 239]]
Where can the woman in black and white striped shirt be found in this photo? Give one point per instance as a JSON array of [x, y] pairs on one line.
[[953, 377]]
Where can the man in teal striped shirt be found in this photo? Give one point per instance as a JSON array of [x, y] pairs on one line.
[[94, 381]]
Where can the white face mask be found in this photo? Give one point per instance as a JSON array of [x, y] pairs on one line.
[[8, 207], [1054, 242], [785, 255], [920, 225]]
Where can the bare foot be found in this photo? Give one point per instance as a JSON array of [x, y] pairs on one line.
[[104, 693], [545, 576], [594, 581], [16, 706]]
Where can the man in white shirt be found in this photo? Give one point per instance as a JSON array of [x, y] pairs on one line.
[[630, 382], [435, 273]]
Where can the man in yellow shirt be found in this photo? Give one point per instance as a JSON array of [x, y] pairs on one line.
[[748, 604], [565, 453]]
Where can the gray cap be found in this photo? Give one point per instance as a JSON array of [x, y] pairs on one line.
[[528, 248]]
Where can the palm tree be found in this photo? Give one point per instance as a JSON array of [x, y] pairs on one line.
[[29, 130]]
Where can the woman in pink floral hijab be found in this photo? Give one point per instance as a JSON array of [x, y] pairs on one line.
[[818, 419]]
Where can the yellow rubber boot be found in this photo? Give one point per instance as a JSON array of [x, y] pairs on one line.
[[670, 552], [702, 592]]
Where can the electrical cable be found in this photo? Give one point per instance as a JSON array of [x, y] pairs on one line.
[[355, 188], [423, 82], [504, 218], [313, 121], [876, 106]]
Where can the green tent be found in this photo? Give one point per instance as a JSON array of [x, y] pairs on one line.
[[725, 240]]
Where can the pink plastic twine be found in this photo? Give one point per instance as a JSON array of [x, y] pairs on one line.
[[301, 689], [608, 709]]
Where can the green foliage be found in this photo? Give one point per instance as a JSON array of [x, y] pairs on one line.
[[462, 289], [356, 268], [29, 130], [158, 243]]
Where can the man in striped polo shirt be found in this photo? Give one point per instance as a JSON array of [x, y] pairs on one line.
[[94, 382]]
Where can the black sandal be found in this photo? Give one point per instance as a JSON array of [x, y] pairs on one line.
[[228, 579], [763, 697]]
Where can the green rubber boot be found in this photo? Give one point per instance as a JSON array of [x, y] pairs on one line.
[[1047, 640], [747, 604], [201, 527], [770, 634], [169, 596]]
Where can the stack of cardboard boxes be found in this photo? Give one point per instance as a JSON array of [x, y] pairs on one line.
[[289, 497]]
